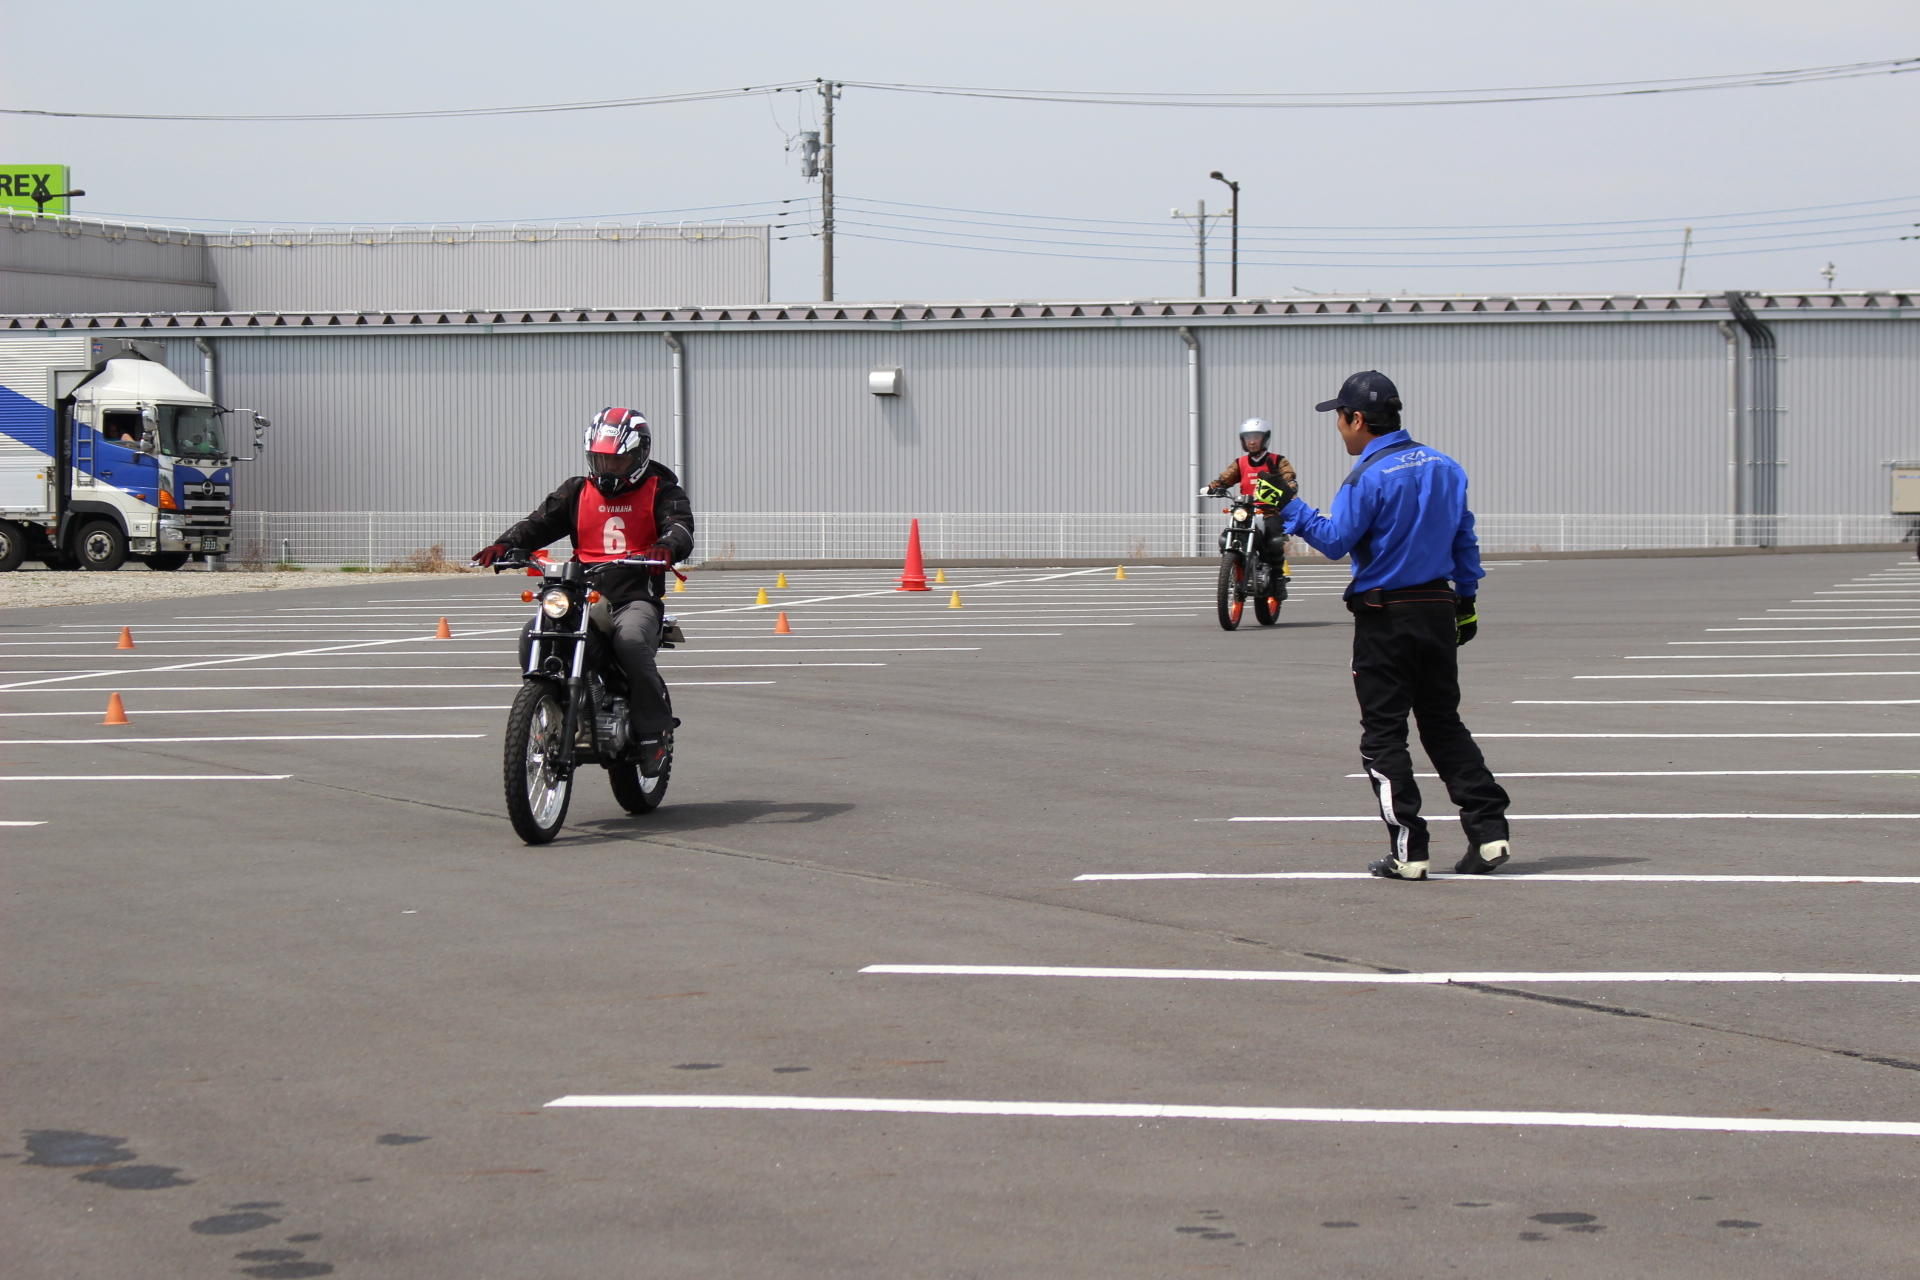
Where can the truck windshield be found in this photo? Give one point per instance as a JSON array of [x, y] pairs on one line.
[[190, 431]]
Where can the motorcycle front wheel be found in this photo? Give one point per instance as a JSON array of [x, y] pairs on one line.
[[537, 794], [1230, 598]]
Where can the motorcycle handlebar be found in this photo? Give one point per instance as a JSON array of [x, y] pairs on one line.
[[506, 563]]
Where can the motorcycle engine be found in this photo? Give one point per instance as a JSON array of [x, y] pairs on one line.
[[610, 721]]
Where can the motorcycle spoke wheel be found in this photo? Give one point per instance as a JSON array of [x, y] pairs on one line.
[[1230, 598], [537, 788]]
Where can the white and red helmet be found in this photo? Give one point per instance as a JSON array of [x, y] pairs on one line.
[[619, 442]]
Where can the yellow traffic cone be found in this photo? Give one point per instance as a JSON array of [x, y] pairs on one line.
[[1120, 573], [940, 577], [780, 583], [761, 598], [679, 584], [955, 602]]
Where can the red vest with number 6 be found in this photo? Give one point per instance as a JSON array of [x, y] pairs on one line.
[[613, 528], [1250, 470]]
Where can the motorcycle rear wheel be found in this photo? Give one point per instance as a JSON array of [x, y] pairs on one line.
[[537, 798], [1230, 597], [635, 792], [1266, 605]]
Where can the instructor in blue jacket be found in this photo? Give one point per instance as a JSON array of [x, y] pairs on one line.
[[1401, 514]]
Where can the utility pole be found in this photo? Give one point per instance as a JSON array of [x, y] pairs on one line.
[[828, 92], [1200, 241], [1685, 245]]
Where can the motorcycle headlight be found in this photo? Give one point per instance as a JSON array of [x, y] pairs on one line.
[[556, 604], [1241, 515]]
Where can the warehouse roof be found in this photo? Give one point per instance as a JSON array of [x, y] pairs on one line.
[[1065, 313]]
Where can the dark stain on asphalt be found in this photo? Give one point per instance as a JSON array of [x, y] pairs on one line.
[[698, 1066], [400, 1139], [137, 1177], [66, 1148], [1588, 1228], [1473, 1204], [1339, 1224], [227, 1224], [1218, 1235], [288, 1270], [307, 1237], [1533, 1235], [270, 1255], [1561, 1219], [256, 1204], [787, 1071], [1738, 1223], [1190, 1231]]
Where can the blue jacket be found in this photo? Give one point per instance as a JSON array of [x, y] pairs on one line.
[[1405, 521]]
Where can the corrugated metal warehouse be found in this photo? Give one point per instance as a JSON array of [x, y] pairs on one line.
[[1065, 428], [71, 264]]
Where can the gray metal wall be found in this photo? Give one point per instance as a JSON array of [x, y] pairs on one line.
[[1560, 417], [55, 264], [1852, 398], [550, 267]]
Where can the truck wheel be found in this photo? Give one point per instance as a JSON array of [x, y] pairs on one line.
[[167, 561], [100, 546], [13, 546]]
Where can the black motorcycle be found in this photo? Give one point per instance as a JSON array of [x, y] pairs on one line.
[[572, 706], [1243, 572]]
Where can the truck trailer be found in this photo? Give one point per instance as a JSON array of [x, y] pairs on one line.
[[106, 455]]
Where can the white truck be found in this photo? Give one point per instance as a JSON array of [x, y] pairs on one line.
[[105, 454]]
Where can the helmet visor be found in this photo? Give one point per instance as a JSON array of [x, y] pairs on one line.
[[615, 464]]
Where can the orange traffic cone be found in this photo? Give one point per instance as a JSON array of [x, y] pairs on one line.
[[126, 638], [914, 576], [780, 627], [116, 711], [443, 632]]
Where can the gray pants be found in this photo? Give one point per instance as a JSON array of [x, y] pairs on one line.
[[636, 635]]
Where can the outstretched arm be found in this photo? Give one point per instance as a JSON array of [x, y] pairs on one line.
[[1334, 535]]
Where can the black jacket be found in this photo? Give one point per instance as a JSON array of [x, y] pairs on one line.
[[554, 519]]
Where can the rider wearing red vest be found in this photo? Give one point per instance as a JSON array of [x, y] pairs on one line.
[[625, 505], [1246, 470]]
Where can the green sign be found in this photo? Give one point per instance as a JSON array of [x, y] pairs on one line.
[[20, 183]]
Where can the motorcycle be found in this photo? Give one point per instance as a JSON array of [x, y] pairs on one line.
[[572, 706], [1243, 572]]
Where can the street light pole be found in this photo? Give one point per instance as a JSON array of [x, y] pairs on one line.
[[1234, 259]]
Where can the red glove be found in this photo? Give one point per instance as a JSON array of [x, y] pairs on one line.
[[660, 551], [488, 554]]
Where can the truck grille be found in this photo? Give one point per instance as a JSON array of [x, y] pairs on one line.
[[207, 508]]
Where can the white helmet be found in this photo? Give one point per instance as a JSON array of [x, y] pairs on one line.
[[1256, 427]]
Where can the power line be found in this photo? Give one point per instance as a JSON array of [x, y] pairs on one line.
[[1411, 97], [231, 222], [438, 113], [1396, 266], [1680, 220]]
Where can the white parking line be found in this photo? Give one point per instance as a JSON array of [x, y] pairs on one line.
[[1881, 626], [1716, 702], [1505, 877], [1620, 817], [1699, 773], [1820, 640], [16, 823], [1763, 657], [1381, 979], [278, 737], [1754, 675], [1699, 735], [145, 777], [248, 711], [1175, 1111]]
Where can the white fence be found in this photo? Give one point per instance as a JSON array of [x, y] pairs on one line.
[[379, 539]]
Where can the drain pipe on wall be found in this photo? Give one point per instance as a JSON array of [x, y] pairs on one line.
[[679, 431], [1736, 497], [209, 369], [1193, 438]]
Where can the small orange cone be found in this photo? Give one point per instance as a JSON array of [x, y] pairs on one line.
[[780, 627], [126, 638], [116, 711], [444, 632]]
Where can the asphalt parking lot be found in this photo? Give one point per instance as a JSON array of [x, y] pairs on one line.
[[1024, 938]]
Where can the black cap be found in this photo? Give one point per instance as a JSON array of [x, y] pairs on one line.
[[1361, 391]]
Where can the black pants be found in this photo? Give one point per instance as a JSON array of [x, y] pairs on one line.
[[1273, 541], [636, 636], [1406, 659]]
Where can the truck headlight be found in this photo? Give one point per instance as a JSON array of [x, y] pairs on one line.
[[556, 604]]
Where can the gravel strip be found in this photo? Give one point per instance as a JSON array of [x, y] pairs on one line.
[[31, 584]]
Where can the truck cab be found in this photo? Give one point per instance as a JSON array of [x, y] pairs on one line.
[[130, 461]]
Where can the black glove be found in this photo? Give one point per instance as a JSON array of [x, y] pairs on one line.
[[1272, 491], [488, 554], [1212, 492], [1466, 618]]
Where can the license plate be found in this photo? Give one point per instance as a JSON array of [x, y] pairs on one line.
[[209, 544]]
